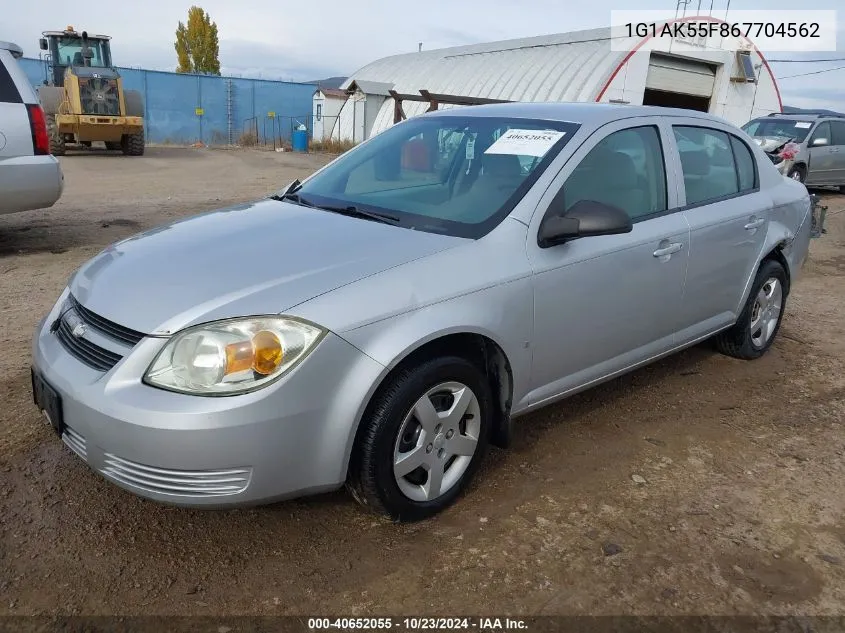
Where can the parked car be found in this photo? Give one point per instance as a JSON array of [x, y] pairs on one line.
[[383, 322], [809, 148], [30, 178]]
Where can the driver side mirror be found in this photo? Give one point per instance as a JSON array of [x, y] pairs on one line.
[[586, 218], [819, 141], [42, 43]]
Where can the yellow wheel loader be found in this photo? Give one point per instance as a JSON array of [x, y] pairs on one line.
[[83, 96]]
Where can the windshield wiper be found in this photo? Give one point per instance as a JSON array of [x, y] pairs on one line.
[[356, 212], [289, 192]]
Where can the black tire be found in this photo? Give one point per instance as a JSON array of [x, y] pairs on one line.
[[114, 145], [57, 139], [842, 189], [799, 173], [371, 477], [739, 341], [134, 102], [133, 144]]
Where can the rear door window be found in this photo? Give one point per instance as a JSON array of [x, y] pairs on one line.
[[8, 91], [707, 162], [745, 165]]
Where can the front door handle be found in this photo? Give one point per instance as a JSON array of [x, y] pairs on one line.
[[668, 250], [834, 150], [755, 224]]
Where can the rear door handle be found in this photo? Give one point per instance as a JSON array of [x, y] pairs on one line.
[[668, 250], [755, 224]]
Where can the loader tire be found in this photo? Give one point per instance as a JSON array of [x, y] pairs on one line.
[[57, 139], [113, 145], [133, 144]]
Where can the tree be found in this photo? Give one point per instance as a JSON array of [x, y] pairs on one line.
[[196, 45]]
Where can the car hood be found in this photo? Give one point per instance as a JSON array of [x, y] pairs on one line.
[[771, 143], [259, 258]]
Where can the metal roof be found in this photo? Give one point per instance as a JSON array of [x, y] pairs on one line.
[[91, 36], [14, 49], [368, 87], [334, 93], [559, 67]]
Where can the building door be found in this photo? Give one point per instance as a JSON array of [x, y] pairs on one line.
[[679, 83]]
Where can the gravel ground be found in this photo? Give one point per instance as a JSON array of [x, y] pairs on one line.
[[698, 485]]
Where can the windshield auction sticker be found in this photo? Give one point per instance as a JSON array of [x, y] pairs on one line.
[[525, 142]]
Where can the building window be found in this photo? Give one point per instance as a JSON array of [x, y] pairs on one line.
[[319, 111]]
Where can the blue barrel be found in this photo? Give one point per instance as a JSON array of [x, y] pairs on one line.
[[300, 140]]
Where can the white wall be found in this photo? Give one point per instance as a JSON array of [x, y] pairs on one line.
[[325, 125]]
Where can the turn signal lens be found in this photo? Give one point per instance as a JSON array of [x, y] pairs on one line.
[[263, 354], [267, 352]]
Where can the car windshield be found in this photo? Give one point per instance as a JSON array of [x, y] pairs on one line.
[[777, 126], [458, 175]]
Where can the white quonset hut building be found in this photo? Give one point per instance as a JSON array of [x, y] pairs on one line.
[[727, 77]]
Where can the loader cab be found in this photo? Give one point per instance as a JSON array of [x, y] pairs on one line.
[[72, 49]]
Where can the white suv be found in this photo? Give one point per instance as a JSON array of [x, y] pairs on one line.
[[30, 178]]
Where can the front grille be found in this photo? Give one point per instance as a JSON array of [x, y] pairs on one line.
[[75, 441], [92, 355], [99, 96], [186, 483], [115, 331]]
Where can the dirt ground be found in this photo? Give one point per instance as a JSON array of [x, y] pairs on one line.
[[742, 510]]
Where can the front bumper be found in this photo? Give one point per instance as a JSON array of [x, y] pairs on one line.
[[89, 127], [289, 439]]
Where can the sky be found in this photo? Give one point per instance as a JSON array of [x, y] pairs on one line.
[[302, 41]]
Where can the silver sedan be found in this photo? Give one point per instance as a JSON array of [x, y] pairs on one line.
[[383, 322]]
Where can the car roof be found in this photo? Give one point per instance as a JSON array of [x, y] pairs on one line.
[[590, 114], [14, 49]]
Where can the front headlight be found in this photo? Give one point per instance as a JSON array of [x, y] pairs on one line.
[[233, 356]]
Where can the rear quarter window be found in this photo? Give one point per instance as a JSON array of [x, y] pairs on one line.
[[8, 91]]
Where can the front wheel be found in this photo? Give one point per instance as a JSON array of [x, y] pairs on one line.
[[133, 144], [757, 326], [423, 439]]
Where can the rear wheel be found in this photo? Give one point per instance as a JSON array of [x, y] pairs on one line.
[[799, 173], [842, 189], [757, 326], [57, 139], [133, 144], [423, 439]]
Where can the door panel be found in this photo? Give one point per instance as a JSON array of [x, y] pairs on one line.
[[727, 216], [604, 304], [838, 150], [822, 164]]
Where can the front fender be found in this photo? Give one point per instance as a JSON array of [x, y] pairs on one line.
[[502, 313]]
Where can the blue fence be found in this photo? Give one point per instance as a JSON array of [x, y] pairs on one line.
[[189, 108]]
